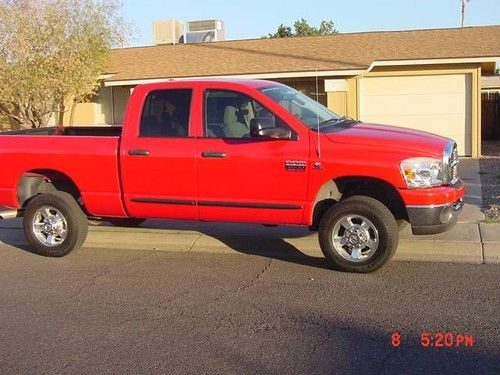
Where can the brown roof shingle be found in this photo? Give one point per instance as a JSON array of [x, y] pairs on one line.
[[334, 52]]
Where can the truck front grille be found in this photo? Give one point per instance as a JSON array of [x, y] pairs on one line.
[[450, 161], [454, 165]]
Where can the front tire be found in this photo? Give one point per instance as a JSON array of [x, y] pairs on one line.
[[54, 224], [358, 234]]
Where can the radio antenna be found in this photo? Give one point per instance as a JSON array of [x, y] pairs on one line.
[[318, 151]]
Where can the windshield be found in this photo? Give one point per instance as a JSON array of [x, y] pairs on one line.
[[308, 111]]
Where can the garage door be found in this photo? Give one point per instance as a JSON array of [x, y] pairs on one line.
[[439, 104]]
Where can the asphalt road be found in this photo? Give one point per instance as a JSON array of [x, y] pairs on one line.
[[109, 311]]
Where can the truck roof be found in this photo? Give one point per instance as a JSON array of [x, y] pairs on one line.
[[253, 83]]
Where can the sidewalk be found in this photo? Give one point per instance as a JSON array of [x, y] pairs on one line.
[[470, 241]]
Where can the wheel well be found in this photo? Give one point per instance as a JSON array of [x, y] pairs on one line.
[[41, 181], [345, 187]]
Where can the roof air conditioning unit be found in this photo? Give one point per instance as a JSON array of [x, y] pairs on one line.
[[205, 31], [167, 31]]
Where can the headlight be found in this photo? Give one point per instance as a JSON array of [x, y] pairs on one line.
[[422, 172]]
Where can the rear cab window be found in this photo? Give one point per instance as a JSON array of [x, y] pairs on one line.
[[166, 114]]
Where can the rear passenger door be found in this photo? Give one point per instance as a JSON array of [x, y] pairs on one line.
[[159, 162], [248, 179]]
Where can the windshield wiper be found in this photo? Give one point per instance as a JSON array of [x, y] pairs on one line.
[[337, 120], [334, 120], [347, 118]]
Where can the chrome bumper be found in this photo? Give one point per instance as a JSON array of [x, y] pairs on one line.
[[434, 219]]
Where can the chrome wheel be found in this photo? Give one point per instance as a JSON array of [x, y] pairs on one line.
[[355, 238], [50, 226]]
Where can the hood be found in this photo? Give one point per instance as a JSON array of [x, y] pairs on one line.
[[388, 137]]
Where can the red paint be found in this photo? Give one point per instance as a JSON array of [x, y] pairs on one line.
[[252, 172]]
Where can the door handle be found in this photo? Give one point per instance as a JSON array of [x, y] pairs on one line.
[[138, 152], [213, 154]]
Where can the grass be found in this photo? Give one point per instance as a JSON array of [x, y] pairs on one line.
[[491, 221]]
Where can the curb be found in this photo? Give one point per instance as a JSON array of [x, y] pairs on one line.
[[466, 243]]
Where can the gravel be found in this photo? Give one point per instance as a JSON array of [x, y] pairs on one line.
[[489, 166]]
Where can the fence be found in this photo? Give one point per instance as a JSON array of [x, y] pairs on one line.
[[490, 116]]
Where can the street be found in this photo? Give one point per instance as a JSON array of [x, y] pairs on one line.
[[108, 311]]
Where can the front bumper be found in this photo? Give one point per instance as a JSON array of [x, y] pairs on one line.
[[433, 210], [434, 219]]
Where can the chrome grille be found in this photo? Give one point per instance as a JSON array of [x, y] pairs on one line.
[[450, 163], [454, 165]]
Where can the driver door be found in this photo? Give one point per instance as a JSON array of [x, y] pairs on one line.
[[243, 178]]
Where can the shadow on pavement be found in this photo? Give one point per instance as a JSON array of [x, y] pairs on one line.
[[249, 239], [272, 248]]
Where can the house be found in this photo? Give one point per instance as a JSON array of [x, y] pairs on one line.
[[423, 79], [490, 83], [490, 108]]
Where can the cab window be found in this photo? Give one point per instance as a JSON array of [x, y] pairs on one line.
[[166, 113], [228, 114]]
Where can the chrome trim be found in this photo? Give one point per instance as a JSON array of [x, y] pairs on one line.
[[459, 203], [295, 165], [355, 238], [428, 205], [450, 163], [49, 226]]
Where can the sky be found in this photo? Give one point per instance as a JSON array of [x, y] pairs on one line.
[[256, 18]]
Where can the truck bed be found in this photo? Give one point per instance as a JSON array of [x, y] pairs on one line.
[[87, 156]]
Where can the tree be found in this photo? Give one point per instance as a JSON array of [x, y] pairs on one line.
[[302, 28], [282, 32], [51, 52]]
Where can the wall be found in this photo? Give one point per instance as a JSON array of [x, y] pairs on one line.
[[308, 86], [342, 95], [475, 93], [107, 108]]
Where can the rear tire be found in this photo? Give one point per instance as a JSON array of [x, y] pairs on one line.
[[54, 224], [358, 234]]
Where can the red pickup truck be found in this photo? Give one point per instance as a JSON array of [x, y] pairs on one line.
[[233, 150]]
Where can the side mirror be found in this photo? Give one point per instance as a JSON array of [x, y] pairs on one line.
[[264, 127]]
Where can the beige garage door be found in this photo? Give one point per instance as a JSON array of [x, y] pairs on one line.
[[439, 104]]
